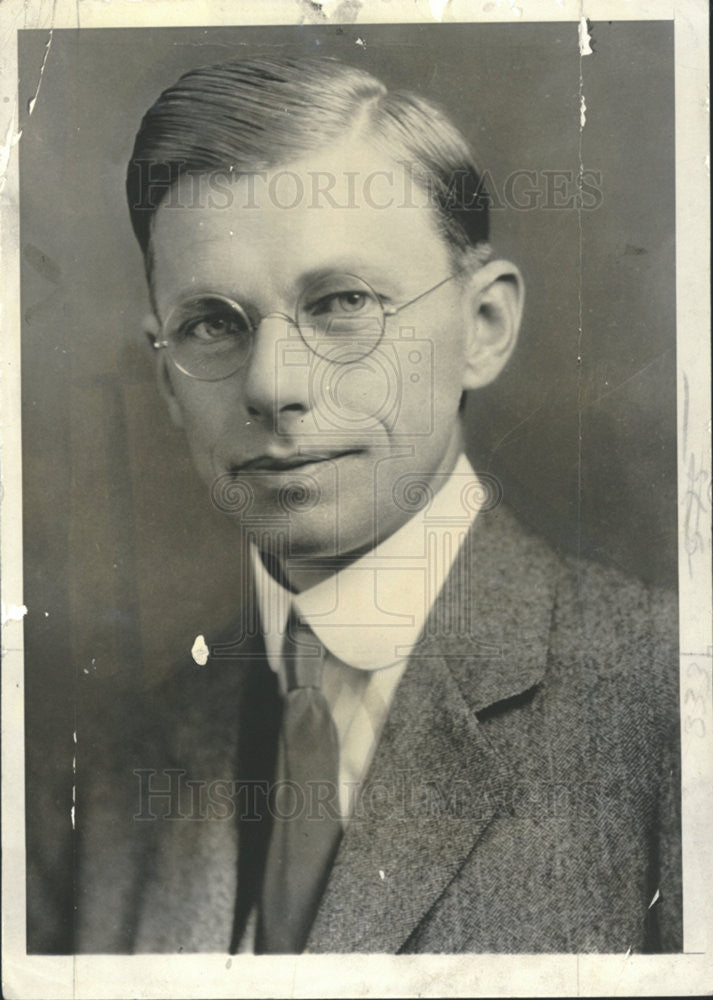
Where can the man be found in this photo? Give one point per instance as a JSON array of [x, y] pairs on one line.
[[441, 736]]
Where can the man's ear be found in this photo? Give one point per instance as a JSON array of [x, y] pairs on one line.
[[492, 301], [151, 328]]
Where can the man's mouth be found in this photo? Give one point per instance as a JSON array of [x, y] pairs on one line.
[[294, 460]]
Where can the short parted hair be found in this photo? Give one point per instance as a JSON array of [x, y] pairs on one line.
[[245, 115]]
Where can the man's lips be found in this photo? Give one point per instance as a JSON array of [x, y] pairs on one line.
[[294, 460]]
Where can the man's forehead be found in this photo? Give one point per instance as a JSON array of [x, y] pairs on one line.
[[350, 178]]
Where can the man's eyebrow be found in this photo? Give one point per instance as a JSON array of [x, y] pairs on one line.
[[374, 272]]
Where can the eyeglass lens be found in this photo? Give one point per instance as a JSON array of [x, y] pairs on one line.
[[339, 318]]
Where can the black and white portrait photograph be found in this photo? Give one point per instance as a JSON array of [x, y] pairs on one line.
[[356, 527]]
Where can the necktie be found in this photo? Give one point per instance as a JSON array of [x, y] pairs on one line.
[[306, 824]]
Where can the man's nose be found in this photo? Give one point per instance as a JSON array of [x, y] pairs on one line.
[[277, 378]]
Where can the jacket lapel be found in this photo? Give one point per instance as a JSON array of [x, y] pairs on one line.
[[435, 781], [431, 766]]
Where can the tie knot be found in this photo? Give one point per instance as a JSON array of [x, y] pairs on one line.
[[302, 654]]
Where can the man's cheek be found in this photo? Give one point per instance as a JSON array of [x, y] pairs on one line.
[[201, 436], [357, 396], [202, 457]]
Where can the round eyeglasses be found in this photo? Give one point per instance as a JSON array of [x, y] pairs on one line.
[[339, 317]]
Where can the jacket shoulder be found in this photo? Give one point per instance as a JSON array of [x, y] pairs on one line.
[[618, 627]]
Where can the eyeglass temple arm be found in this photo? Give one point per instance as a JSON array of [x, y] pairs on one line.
[[392, 310]]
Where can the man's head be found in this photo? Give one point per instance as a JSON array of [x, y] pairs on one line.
[[249, 115], [274, 199]]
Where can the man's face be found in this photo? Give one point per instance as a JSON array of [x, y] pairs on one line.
[[326, 451]]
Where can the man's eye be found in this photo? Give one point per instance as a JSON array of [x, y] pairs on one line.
[[340, 302], [212, 329]]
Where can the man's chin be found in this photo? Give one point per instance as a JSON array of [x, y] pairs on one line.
[[310, 548]]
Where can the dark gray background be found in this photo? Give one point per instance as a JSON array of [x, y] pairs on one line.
[[125, 559]]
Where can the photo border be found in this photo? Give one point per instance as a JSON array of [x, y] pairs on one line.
[[90, 976]]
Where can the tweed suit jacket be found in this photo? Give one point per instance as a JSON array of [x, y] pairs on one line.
[[523, 796]]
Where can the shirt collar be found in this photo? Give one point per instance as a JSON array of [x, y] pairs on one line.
[[371, 613]]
